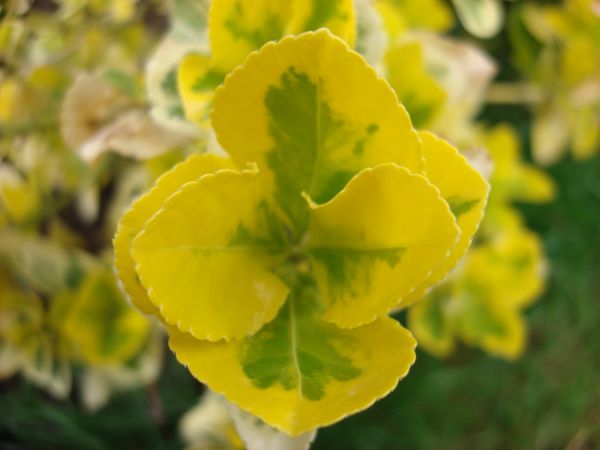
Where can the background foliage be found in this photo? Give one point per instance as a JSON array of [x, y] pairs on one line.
[[548, 399]]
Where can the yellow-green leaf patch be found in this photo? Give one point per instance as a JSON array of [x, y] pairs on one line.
[[143, 209], [100, 324], [238, 27], [418, 91], [466, 192], [377, 241], [312, 372], [431, 323], [197, 81], [482, 319], [311, 114], [337, 16], [219, 239]]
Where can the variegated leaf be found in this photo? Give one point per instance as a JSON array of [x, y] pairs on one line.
[[238, 27], [512, 178], [430, 322], [466, 192], [418, 91], [311, 113], [220, 239], [143, 209], [312, 372], [99, 324], [197, 81], [481, 319], [377, 241], [512, 265]]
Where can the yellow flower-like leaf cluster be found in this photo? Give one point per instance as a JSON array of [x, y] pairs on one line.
[[274, 270]]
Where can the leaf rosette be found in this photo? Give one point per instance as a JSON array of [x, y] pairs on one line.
[[274, 270]]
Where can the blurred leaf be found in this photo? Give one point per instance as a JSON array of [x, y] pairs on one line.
[[43, 264], [483, 18]]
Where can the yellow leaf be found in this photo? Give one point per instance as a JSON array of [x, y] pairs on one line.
[[311, 113], [19, 197], [401, 16], [238, 27], [419, 92], [477, 305], [377, 241], [146, 206], [161, 74], [533, 185], [22, 314], [483, 18], [312, 372], [197, 81], [586, 132], [99, 324], [42, 264], [578, 58], [27, 343], [273, 279], [512, 266], [430, 322], [482, 320], [13, 97], [466, 192], [338, 16], [206, 257], [549, 135], [482, 302], [512, 178]]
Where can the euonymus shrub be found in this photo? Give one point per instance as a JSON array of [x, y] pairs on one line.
[[274, 270]]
